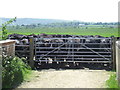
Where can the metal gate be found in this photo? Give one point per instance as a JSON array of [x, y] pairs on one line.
[[73, 48]]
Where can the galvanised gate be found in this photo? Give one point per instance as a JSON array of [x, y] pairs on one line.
[[73, 48]]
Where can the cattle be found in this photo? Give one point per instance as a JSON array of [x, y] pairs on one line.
[[25, 41], [62, 41]]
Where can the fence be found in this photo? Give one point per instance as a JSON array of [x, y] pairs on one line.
[[74, 49], [26, 51], [118, 60], [65, 48], [7, 47]]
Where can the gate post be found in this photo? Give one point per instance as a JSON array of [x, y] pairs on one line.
[[31, 61], [114, 52], [118, 61]]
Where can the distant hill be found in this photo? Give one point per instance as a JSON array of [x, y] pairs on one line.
[[28, 21]]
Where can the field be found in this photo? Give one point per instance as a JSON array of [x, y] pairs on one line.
[[67, 30]]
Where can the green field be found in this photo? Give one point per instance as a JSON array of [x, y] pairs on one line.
[[68, 30]]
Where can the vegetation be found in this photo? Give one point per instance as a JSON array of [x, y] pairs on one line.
[[107, 31], [14, 71], [112, 82], [4, 26], [49, 26]]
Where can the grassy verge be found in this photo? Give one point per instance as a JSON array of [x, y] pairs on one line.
[[14, 72], [112, 82]]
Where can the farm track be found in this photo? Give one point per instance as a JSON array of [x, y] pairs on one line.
[[69, 78]]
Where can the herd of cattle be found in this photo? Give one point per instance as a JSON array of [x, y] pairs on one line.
[[24, 39], [46, 41]]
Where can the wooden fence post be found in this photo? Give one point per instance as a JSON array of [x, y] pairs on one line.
[[0, 67], [118, 61], [31, 61], [114, 52]]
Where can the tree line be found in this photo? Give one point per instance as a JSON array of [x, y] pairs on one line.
[[73, 24]]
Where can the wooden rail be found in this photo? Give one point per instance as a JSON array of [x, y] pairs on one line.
[[66, 48], [75, 55], [76, 61], [72, 43], [39, 52]]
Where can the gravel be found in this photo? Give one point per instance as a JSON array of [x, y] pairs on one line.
[[80, 78]]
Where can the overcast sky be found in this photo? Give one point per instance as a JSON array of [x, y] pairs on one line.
[[83, 10]]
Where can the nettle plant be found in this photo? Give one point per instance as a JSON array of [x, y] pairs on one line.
[[4, 28]]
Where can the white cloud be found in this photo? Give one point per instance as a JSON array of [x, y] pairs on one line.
[[84, 10]]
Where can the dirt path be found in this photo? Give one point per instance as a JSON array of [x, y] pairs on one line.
[[67, 79]]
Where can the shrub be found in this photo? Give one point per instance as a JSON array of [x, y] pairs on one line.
[[14, 71]]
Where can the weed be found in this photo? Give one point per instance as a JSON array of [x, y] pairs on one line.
[[112, 82]]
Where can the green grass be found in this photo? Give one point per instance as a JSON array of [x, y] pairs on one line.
[[68, 30], [26, 74], [112, 82]]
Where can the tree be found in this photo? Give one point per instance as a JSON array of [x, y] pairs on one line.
[[4, 26]]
